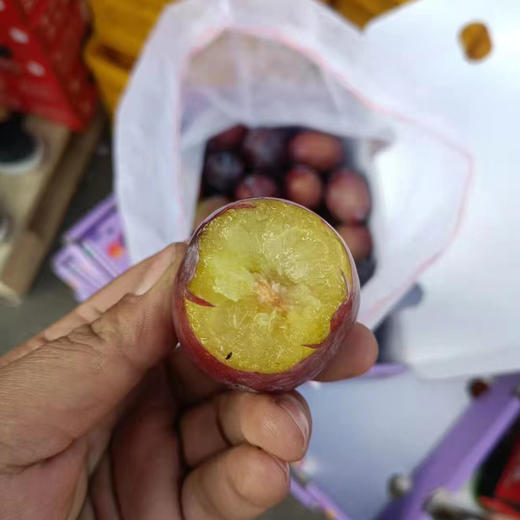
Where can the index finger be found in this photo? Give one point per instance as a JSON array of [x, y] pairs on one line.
[[136, 280]]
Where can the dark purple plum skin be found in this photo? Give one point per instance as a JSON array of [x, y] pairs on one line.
[[264, 147], [256, 185], [222, 170], [229, 139], [366, 269], [347, 197], [316, 149], [358, 240], [340, 325], [303, 186]]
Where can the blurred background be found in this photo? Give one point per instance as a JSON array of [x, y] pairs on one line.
[[124, 123]]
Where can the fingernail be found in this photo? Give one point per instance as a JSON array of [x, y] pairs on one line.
[[295, 409]]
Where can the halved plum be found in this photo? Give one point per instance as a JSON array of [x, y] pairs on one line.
[[265, 295]]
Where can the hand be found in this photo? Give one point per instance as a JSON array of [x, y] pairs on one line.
[[102, 418]]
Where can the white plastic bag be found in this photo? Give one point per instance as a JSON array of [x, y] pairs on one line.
[[208, 65]]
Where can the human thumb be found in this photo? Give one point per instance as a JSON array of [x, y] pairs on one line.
[[58, 392]]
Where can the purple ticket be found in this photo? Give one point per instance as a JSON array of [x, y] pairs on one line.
[[105, 243], [90, 220], [65, 266], [95, 273], [100, 234]]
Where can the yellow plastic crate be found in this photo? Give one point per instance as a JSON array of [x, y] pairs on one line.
[[121, 27], [111, 70], [360, 12], [125, 24]]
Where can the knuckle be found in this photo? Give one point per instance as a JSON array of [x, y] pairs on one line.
[[119, 324], [79, 343], [114, 338], [84, 338], [84, 334], [108, 337], [105, 332], [105, 337]]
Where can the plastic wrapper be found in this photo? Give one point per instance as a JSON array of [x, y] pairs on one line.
[[207, 66]]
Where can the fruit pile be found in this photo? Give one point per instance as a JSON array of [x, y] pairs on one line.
[[305, 166]]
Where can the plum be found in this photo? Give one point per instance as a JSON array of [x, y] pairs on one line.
[[316, 149], [207, 206], [366, 269], [222, 170], [303, 185], [256, 185], [264, 147], [347, 197], [358, 240], [229, 139], [265, 295]]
